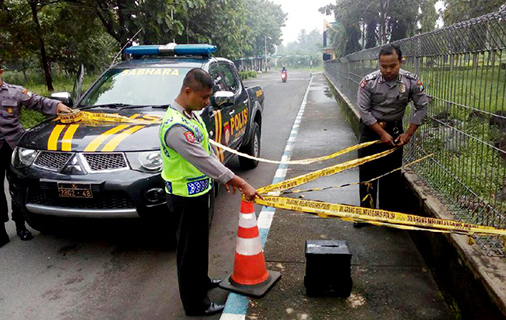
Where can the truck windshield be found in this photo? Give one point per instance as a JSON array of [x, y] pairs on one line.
[[136, 87]]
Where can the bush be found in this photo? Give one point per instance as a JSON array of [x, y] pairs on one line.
[[35, 82], [247, 74]]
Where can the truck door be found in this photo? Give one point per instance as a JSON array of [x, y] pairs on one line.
[[220, 117], [238, 113]]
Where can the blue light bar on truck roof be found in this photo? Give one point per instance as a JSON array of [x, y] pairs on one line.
[[172, 48]]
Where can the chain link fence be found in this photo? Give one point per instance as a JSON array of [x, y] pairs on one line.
[[463, 68]]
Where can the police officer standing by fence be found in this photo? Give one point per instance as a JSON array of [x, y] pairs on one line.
[[11, 99], [188, 166], [382, 99]]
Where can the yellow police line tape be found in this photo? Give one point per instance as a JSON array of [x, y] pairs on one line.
[[303, 161], [85, 116], [276, 188], [378, 216], [271, 198], [357, 183]]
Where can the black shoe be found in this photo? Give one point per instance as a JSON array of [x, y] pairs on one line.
[[359, 225], [24, 234], [214, 283], [214, 308], [4, 238]]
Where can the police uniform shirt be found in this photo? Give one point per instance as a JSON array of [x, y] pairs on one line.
[[381, 100], [12, 97], [193, 152]]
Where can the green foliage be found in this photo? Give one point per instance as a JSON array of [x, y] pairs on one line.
[[428, 15], [461, 10], [35, 83], [71, 44], [468, 161], [247, 74], [368, 23], [30, 118], [90, 32], [209, 25], [157, 19], [264, 19]]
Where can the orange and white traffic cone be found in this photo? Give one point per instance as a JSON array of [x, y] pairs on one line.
[[250, 276]]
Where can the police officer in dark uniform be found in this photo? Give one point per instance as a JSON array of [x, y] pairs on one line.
[[11, 99], [382, 99], [189, 165]]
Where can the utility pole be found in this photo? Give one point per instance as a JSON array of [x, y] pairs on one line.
[[265, 44]]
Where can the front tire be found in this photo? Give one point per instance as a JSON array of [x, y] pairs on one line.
[[252, 149]]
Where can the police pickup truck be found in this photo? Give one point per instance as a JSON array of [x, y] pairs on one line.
[[104, 161]]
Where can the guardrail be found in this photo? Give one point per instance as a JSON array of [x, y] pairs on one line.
[[463, 68]]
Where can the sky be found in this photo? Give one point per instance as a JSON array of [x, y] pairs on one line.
[[302, 14]]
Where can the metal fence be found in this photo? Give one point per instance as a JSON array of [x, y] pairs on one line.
[[463, 68]]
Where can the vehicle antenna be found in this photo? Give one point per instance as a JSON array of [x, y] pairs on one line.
[[126, 44]]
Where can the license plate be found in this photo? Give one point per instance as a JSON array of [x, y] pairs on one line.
[[74, 190]]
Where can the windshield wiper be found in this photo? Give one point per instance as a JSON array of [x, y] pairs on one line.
[[108, 105], [163, 106]]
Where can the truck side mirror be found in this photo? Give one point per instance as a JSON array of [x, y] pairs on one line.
[[64, 97], [221, 99]]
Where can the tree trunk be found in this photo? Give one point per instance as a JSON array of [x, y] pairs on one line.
[[43, 57]]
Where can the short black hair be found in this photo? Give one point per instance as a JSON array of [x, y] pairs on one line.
[[390, 49], [198, 79]]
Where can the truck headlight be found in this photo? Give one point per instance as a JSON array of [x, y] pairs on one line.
[[150, 161], [22, 157]]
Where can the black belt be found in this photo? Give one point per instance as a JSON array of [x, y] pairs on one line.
[[395, 126]]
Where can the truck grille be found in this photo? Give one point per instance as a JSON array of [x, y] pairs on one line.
[[53, 160], [111, 200], [56, 161], [106, 161]]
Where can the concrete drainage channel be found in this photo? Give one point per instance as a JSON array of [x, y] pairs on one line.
[[471, 282]]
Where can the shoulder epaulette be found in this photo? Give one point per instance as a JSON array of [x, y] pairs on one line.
[[410, 75], [371, 76]]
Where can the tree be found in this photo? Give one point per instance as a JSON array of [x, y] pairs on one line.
[[264, 19], [73, 32], [368, 23], [220, 22], [57, 32], [461, 10], [428, 15], [156, 19]]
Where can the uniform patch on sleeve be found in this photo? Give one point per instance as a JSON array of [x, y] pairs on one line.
[[420, 85], [189, 136], [27, 93], [363, 83]]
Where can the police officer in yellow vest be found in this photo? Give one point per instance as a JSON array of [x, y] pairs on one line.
[[189, 165], [12, 97]]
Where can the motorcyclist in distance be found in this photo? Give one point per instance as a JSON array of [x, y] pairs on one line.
[[284, 74]]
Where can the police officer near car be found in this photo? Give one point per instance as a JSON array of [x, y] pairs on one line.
[[189, 165], [382, 99], [12, 97]]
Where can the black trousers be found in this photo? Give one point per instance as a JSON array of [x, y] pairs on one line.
[[386, 190], [192, 219], [5, 160]]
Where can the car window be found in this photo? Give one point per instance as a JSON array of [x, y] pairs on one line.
[[230, 78], [137, 86], [218, 77], [224, 78]]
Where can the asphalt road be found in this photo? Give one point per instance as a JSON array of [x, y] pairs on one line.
[[124, 269]]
